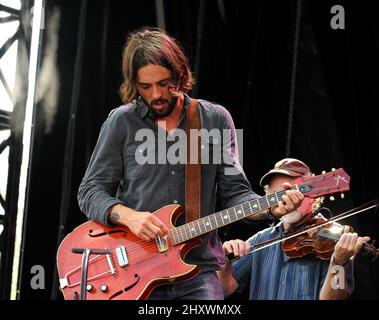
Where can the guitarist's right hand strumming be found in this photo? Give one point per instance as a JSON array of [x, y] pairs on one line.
[[143, 224]]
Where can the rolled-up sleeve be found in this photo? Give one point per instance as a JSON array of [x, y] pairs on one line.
[[97, 191]]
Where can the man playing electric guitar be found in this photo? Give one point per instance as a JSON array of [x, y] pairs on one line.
[[118, 189]]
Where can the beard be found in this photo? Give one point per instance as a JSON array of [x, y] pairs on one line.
[[161, 113]]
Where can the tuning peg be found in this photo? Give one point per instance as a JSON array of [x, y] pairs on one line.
[[332, 198], [323, 172], [333, 169], [342, 195]]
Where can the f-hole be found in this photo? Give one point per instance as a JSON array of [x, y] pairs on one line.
[[102, 234], [125, 289]]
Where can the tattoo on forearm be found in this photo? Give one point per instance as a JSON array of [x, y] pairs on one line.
[[115, 217]]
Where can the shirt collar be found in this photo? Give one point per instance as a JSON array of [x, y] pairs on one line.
[[187, 101], [141, 108]]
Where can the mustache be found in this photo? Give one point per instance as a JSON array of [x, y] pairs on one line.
[[159, 101]]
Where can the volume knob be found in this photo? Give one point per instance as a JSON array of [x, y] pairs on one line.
[[104, 288], [90, 287]]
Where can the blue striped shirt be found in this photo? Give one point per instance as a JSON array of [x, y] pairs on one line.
[[273, 276]]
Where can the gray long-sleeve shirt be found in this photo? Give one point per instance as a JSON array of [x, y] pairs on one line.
[[116, 172]]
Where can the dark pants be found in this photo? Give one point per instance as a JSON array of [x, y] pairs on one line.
[[204, 286]]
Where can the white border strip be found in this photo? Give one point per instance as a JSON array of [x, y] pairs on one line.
[[38, 14]]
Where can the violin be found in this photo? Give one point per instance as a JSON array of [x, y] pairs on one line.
[[320, 241], [318, 235]]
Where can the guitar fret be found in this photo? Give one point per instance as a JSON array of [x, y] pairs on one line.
[[262, 204], [218, 219], [214, 216], [210, 223], [173, 237], [196, 228], [180, 234], [239, 211], [199, 226], [251, 209], [176, 235], [198, 223], [190, 232], [246, 208], [281, 193], [221, 218], [256, 206], [272, 200], [205, 227], [226, 216], [192, 229], [276, 196], [186, 232], [234, 212], [207, 224]]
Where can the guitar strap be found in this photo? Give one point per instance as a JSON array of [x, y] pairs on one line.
[[193, 165]]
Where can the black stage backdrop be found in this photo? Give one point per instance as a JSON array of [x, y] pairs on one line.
[[242, 53]]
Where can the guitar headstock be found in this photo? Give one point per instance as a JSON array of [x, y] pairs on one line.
[[325, 183]]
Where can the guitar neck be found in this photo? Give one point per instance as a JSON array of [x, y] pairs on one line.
[[222, 218]]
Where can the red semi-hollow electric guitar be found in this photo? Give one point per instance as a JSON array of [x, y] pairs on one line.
[[134, 267]]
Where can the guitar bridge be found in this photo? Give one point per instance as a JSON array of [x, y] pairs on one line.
[[162, 244]]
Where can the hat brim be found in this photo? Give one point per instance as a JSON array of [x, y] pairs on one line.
[[264, 180]]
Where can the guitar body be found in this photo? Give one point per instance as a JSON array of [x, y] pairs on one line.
[[109, 277]]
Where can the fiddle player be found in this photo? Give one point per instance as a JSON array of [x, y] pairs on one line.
[[270, 274]]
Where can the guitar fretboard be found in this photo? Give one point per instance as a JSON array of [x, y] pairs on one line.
[[222, 218]]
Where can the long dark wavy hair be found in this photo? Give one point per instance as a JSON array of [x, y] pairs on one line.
[[153, 46]]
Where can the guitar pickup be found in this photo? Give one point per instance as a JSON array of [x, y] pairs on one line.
[[162, 244], [122, 257]]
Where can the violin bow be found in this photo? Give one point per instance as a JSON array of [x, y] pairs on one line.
[[268, 243]]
